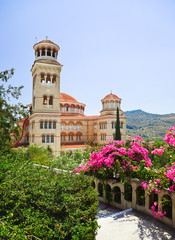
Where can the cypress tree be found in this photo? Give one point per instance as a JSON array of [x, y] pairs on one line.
[[117, 126]]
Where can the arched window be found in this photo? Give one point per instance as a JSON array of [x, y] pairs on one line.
[[41, 125], [63, 137], [48, 79], [78, 127], [62, 126], [47, 139], [53, 53], [50, 124], [71, 137], [51, 100], [66, 109], [42, 78], [78, 137], [54, 124], [45, 124], [54, 79], [112, 104], [43, 138], [121, 125], [43, 52], [38, 53], [52, 138], [48, 52], [45, 100]]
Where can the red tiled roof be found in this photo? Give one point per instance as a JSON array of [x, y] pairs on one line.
[[67, 98], [111, 96], [46, 41]]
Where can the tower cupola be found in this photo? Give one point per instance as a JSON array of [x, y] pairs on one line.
[[46, 49], [110, 103]]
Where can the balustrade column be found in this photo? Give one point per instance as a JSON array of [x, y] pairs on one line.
[[40, 52], [46, 52], [51, 79], [134, 194], [45, 77]]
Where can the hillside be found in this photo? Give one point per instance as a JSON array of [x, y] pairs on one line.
[[148, 125]]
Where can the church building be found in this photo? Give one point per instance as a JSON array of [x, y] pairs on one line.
[[58, 119]]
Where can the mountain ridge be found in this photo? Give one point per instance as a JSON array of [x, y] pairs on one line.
[[148, 125]]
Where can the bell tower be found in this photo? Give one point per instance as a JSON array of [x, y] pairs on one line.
[[45, 120]]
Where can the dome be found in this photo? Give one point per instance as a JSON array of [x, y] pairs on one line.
[[67, 98], [111, 96]]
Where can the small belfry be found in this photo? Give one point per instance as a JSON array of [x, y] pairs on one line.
[[45, 120]]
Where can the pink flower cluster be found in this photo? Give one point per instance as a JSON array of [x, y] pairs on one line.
[[151, 186], [171, 172], [158, 213], [115, 150], [170, 137], [158, 151], [138, 153]]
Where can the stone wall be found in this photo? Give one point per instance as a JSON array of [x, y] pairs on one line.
[[133, 196]]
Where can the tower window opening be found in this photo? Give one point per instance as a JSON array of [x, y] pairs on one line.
[[50, 125], [41, 125], [52, 138], [54, 79], [43, 52], [45, 124], [45, 100], [51, 100], [54, 124], [48, 79], [53, 53], [48, 52], [47, 138], [42, 78], [38, 53], [43, 139]]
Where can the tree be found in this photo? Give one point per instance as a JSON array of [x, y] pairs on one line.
[[9, 113], [117, 126]]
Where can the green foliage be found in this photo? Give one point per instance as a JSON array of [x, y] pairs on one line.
[[9, 113], [117, 126], [37, 203]]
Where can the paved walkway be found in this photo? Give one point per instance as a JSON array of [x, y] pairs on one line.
[[131, 225]]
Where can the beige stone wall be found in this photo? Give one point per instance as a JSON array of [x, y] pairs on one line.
[[134, 204], [36, 132]]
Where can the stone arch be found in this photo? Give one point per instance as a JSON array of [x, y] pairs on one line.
[[117, 194], [108, 193], [128, 192], [167, 205], [100, 189], [153, 197], [140, 196]]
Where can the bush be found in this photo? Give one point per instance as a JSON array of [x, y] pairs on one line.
[[37, 203]]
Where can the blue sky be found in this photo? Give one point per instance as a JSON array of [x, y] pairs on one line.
[[124, 46]]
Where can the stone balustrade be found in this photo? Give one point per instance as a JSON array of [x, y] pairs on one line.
[[133, 196]]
